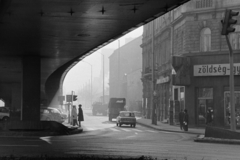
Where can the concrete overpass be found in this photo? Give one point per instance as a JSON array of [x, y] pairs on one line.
[[41, 40]]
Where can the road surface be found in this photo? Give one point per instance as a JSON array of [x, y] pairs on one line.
[[101, 137]]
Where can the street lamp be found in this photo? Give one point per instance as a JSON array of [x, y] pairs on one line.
[[103, 101], [91, 78]]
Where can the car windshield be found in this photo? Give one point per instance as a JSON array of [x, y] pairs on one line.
[[127, 114]]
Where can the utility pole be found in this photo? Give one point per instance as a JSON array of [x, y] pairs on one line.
[[226, 29]]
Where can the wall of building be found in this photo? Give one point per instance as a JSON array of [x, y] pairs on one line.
[[184, 27], [125, 74]]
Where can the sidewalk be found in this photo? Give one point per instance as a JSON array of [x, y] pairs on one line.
[[200, 132], [169, 128]]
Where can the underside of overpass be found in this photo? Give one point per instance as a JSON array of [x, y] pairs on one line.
[[41, 40]]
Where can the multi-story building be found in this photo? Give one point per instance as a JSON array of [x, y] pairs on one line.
[[125, 74], [191, 61]]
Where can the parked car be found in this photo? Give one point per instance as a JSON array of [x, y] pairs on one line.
[[126, 117], [64, 115], [51, 114], [4, 113]]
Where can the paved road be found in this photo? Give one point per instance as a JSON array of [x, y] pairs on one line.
[[101, 137]]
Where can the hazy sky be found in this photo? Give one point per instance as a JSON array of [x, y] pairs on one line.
[[81, 73]]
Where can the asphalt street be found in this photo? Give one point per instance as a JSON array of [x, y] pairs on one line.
[[101, 137]]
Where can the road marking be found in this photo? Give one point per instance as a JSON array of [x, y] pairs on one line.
[[125, 130], [46, 139], [137, 130], [114, 129]]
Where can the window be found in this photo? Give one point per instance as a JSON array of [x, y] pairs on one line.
[[127, 114], [235, 38], [204, 3], [205, 40]]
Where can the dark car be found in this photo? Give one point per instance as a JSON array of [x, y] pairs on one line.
[[126, 117]]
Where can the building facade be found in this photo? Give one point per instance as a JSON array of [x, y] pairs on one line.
[[191, 63], [125, 74]]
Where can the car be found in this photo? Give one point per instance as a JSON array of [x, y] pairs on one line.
[[4, 114], [51, 114], [127, 118], [64, 115]]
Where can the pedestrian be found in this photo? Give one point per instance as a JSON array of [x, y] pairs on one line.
[[180, 116], [185, 120], [74, 115], [80, 115], [209, 116]]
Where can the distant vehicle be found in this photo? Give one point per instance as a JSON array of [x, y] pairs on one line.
[[126, 117], [51, 114], [98, 107], [4, 114], [115, 105]]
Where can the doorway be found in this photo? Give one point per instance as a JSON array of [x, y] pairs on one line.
[[204, 102]]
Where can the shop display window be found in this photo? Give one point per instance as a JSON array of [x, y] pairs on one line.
[[227, 107], [204, 102]]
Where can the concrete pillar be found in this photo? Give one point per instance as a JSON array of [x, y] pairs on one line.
[[15, 113], [31, 93]]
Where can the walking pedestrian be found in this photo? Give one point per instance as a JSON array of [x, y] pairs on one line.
[[74, 115], [181, 115], [185, 120], [80, 115]]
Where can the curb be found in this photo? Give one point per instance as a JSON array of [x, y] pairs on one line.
[[38, 134], [216, 140], [167, 130]]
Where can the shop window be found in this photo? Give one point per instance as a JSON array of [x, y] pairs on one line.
[[204, 102], [205, 40], [227, 108], [235, 38]]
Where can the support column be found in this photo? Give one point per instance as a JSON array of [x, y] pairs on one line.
[[31, 93], [15, 113]]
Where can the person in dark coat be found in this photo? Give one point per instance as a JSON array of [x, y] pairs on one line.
[[181, 115], [80, 115], [209, 116], [185, 120]]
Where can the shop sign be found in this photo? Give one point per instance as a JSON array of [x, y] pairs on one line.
[[163, 80], [215, 69]]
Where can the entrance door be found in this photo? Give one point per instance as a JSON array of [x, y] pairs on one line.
[[204, 102]]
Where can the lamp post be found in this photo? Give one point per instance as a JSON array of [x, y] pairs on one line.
[[103, 77], [103, 101], [91, 79]]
